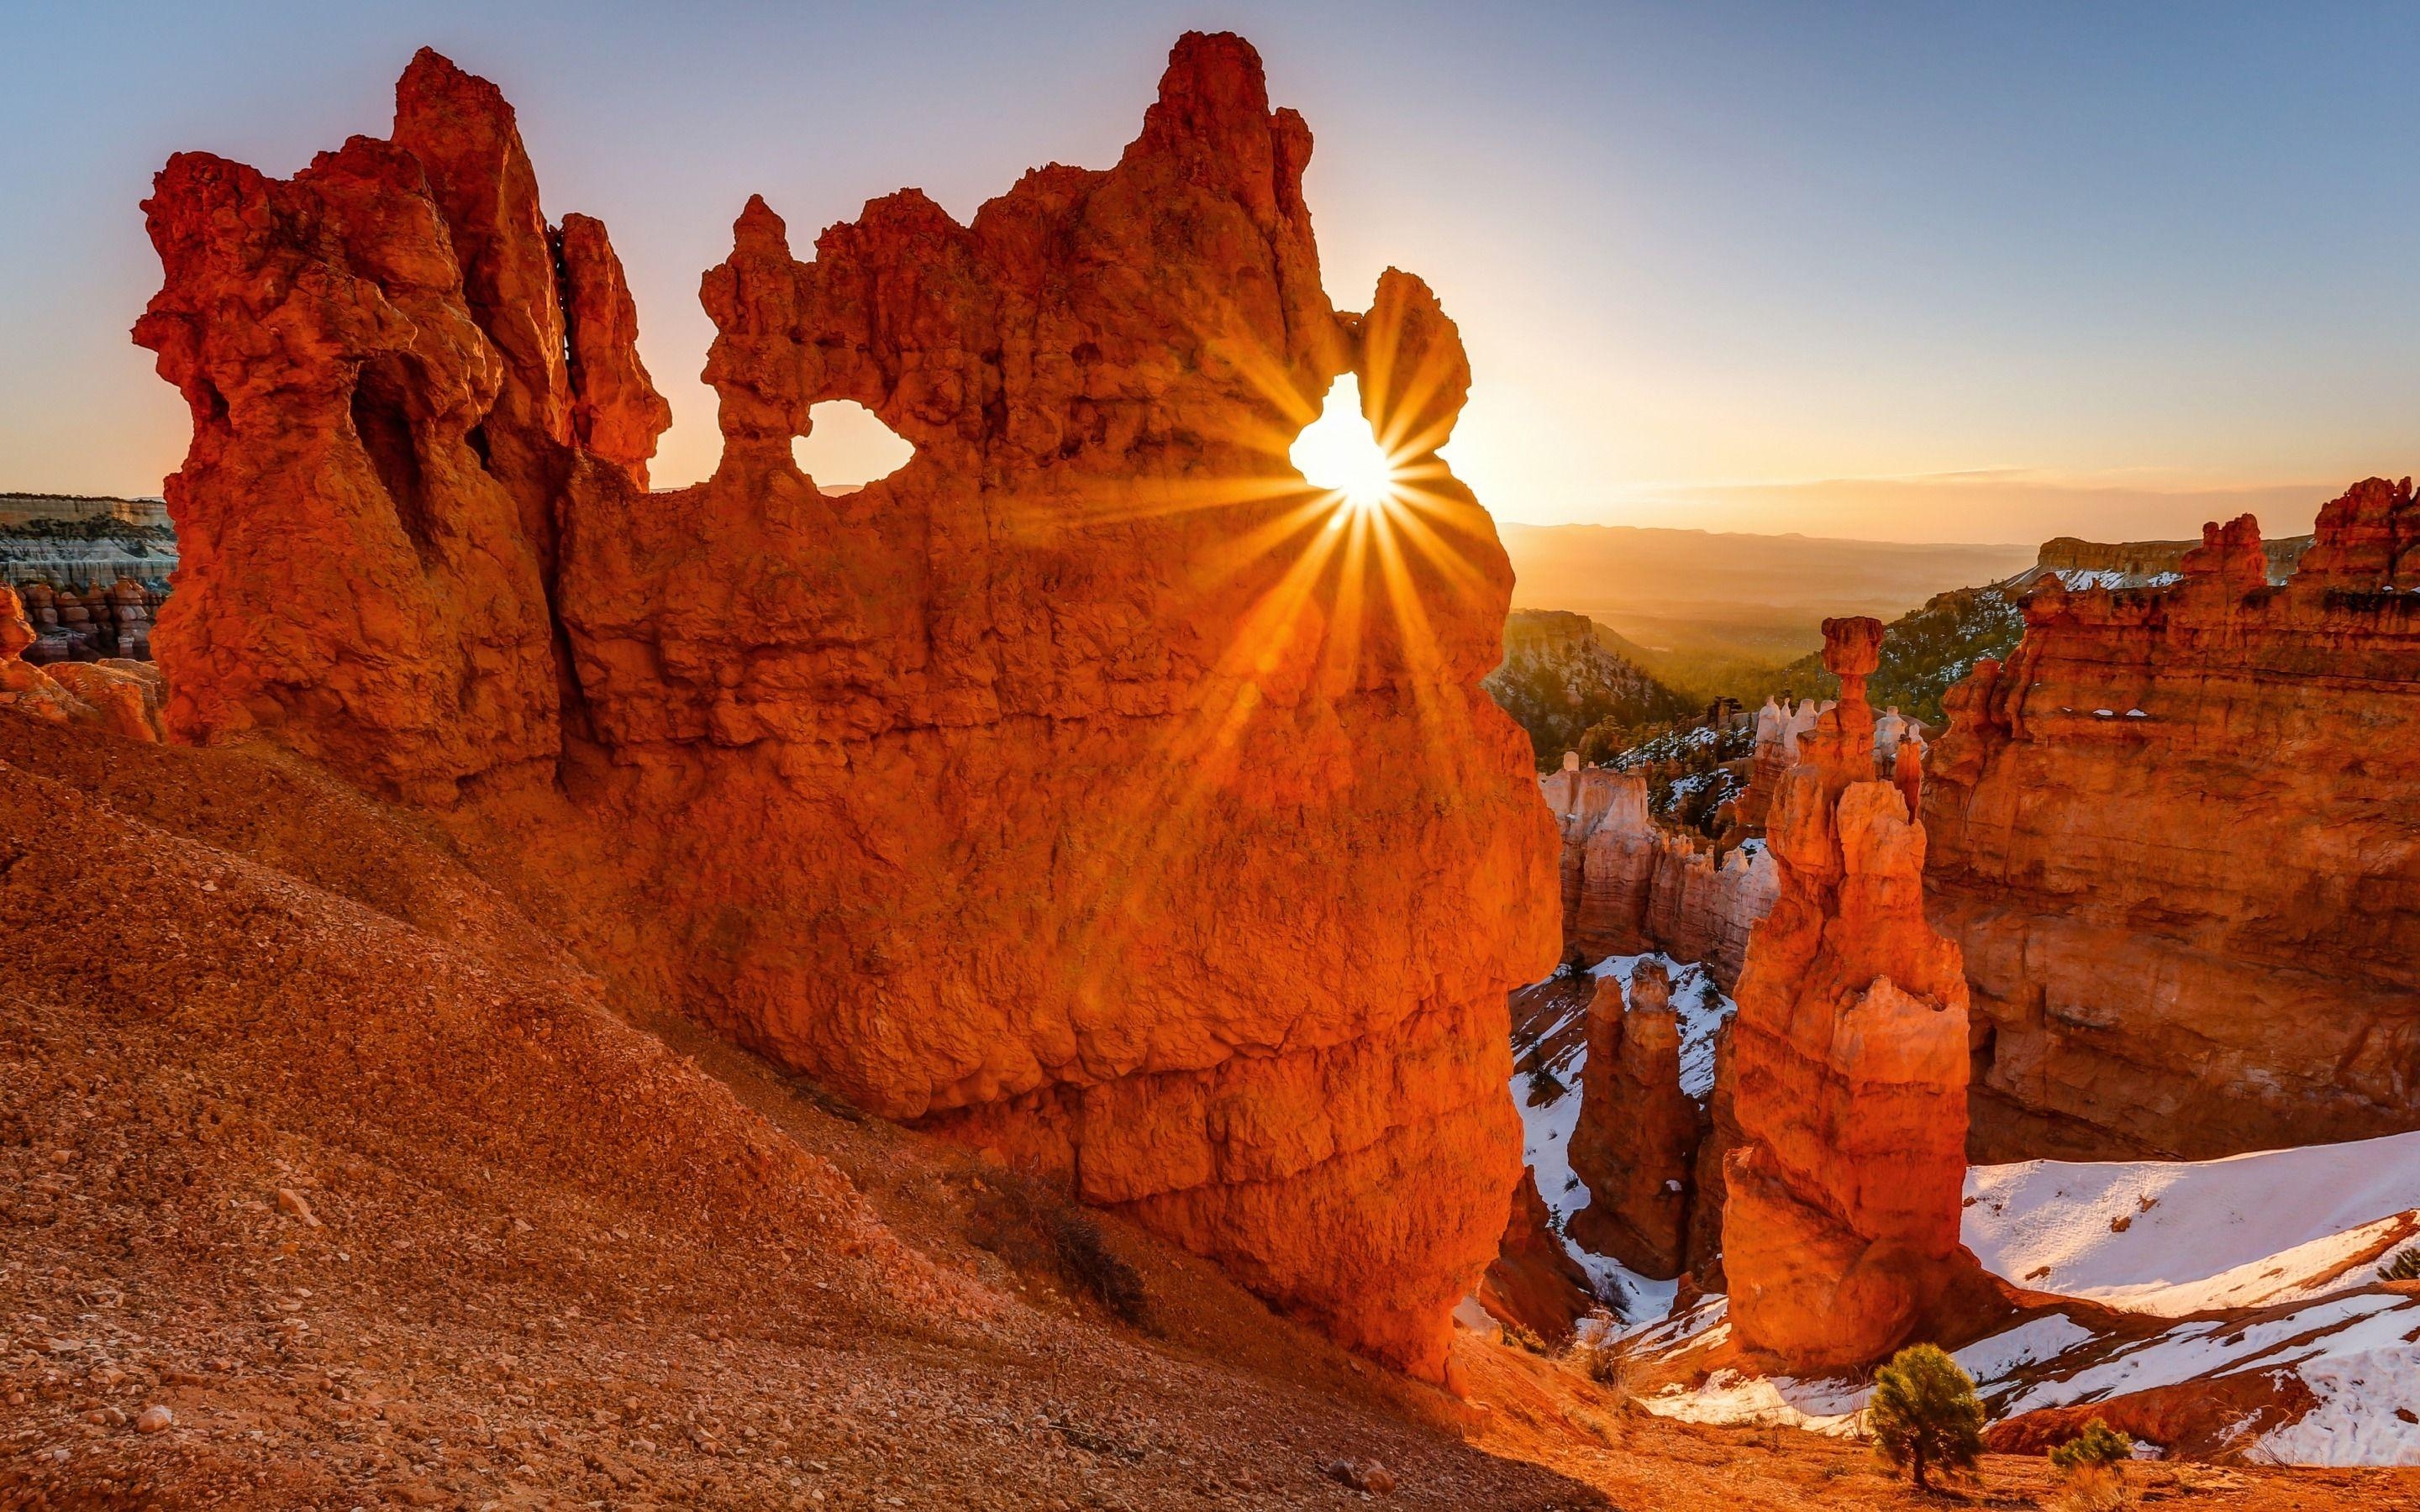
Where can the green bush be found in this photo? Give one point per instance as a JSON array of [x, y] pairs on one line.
[[2097, 1444], [2405, 1265], [1925, 1415]]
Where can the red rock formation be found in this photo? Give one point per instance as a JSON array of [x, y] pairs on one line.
[[2176, 837], [119, 696], [373, 355], [1631, 886], [1778, 728], [1848, 1067], [1637, 1138], [1076, 789]]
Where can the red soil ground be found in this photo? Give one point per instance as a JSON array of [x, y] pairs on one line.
[[308, 1137]]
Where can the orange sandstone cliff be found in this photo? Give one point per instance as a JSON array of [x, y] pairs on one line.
[[1091, 789], [1630, 884], [1847, 1067], [2176, 839]]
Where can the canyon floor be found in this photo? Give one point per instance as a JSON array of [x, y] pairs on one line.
[[313, 1140]]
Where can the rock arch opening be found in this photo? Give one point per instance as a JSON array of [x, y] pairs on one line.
[[847, 446], [1339, 452]]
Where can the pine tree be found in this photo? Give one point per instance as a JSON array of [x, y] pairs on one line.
[[1925, 1413]]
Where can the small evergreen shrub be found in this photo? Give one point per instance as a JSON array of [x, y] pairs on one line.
[[1924, 1414], [2097, 1444]]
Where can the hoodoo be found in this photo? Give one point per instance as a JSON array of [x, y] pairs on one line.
[[1091, 789], [1849, 1064], [2176, 839], [1636, 1141]]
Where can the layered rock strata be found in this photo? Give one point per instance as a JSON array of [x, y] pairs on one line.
[[1090, 789], [1847, 1068], [1629, 885], [2176, 840], [121, 697], [69, 625]]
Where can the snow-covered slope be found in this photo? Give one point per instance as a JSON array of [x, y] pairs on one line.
[[2307, 1360], [2173, 1237]]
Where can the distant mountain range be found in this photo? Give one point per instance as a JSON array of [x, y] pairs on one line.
[[1710, 613]]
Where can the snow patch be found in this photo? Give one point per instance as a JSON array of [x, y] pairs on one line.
[[2176, 1237]]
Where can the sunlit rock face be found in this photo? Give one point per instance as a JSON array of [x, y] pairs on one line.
[[1630, 884], [2178, 838], [1090, 789], [1847, 1067]]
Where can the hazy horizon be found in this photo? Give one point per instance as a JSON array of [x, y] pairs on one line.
[[1895, 274]]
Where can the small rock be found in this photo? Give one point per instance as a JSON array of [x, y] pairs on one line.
[[1372, 1476], [289, 1200], [155, 1418]]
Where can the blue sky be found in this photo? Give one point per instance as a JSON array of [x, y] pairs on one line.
[[2045, 268]]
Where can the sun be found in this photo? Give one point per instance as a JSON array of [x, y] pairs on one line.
[[1338, 453]]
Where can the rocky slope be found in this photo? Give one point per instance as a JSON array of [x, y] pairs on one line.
[[1926, 652], [311, 1137], [1560, 679], [1075, 790], [2173, 837]]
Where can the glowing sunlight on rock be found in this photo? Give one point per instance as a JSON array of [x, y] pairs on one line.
[[1339, 453], [848, 447]]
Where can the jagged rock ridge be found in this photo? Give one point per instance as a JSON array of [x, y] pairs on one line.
[[1630, 884], [1075, 790]]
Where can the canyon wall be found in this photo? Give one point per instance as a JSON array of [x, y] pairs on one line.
[[2138, 563], [1847, 1068], [1092, 788], [1629, 885], [2177, 838]]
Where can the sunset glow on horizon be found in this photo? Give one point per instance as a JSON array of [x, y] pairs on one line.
[[2025, 289]]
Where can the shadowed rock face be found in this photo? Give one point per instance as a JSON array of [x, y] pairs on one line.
[[2176, 836], [1090, 789], [1636, 1141], [1848, 1066]]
